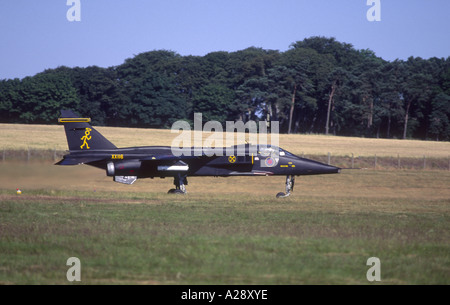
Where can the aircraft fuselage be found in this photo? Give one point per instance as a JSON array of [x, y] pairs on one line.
[[159, 161]]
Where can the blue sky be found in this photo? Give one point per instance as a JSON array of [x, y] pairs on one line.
[[36, 35]]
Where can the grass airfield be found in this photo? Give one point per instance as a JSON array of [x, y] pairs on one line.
[[225, 230]]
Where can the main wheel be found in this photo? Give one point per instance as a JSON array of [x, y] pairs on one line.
[[175, 191], [282, 195]]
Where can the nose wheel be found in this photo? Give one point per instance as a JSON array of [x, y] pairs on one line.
[[180, 183], [290, 180]]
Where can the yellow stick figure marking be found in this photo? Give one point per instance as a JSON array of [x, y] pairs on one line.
[[85, 138], [232, 159]]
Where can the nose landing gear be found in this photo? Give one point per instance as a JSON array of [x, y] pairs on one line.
[[180, 183], [290, 180]]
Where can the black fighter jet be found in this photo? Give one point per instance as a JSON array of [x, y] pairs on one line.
[[126, 165]]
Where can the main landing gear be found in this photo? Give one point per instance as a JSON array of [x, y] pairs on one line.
[[290, 180], [180, 183]]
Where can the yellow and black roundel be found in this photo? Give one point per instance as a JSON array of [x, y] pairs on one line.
[[232, 159]]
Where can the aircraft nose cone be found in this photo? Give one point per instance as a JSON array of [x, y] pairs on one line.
[[310, 167]]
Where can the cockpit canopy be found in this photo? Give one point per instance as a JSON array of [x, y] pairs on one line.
[[271, 150], [262, 149]]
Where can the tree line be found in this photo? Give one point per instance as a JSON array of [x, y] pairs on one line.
[[319, 85]]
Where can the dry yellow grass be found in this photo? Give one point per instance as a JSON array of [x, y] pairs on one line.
[[22, 136]]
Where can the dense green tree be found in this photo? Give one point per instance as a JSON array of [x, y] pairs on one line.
[[10, 100], [215, 102], [153, 101], [439, 117], [343, 53], [336, 80], [389, 102], [318, 85], [416, 92], [37, 99]]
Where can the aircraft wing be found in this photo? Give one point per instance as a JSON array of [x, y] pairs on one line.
[[78, 160], [168, 158]]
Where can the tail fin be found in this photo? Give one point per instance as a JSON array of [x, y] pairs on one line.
[[80, 134]]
